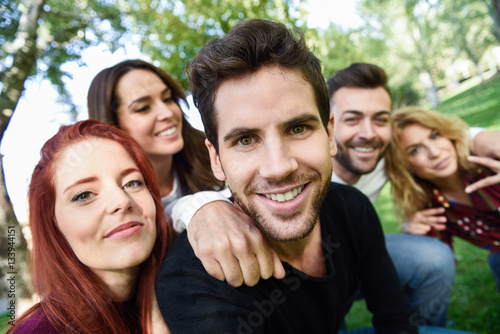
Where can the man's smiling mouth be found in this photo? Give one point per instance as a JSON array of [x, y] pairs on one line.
[[288, 196], [364, 149]]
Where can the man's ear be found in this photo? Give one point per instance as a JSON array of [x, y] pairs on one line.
[[215, 162], [331, 137]]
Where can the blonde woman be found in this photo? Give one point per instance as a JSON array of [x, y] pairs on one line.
[[430, 166]]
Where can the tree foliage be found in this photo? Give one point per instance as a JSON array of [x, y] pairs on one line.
[[428, 36]]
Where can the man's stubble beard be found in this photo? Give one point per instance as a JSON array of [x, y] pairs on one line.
[[265, 224], [346, 162]]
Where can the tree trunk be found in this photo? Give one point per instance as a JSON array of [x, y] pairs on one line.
[[494, 10], [24, 60], [430, 89], [473, 58], [13, 259], [12, 249]]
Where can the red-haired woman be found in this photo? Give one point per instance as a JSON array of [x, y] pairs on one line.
[[97, 237]]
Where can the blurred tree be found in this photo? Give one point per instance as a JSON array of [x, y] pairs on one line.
[[468, 29], [338, 48], [426, 36], [413, 32], [494, 11]]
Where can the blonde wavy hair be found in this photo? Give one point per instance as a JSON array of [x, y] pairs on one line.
[[408, 192]]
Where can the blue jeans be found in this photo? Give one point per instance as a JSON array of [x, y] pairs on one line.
[[494, 262], [426, 268], [422, 330]]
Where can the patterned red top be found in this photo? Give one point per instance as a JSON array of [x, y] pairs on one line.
[[478, 224]]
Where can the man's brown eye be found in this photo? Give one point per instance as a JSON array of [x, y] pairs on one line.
[[298, 129], [245, 141]]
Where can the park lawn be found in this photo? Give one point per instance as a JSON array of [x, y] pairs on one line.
[[475, 300], [478, 106], [4, 319]]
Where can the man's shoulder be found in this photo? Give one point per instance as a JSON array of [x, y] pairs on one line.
[[346, 204], [181, 248], [343, 191]]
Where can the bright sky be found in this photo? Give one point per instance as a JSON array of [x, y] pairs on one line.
[[38, 115]]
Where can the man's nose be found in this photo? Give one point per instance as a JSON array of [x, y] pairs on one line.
[[279, 160]]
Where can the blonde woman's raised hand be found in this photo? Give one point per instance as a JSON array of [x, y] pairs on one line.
[[491, 164]]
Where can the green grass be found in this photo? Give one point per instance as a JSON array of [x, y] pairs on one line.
[[478, 106], [4, 319], [475, 300]]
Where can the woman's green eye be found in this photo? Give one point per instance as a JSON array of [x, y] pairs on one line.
[[133, 184], [81, 196]]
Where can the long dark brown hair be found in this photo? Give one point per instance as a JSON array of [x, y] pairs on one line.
[[73, 298], [192, 163]]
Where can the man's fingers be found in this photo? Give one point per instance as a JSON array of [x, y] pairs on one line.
[[214, 269], [232, 271], [249, 268], [279, 270], [266, 262]]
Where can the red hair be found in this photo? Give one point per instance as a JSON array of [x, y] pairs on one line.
[[73, 298]]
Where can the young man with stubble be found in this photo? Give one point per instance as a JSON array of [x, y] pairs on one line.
[[265, 108]]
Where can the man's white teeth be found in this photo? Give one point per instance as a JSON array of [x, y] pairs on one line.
[[364, 149], [168, 132], [288, 196]]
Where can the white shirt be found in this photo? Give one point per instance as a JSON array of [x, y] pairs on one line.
[[369, 184]]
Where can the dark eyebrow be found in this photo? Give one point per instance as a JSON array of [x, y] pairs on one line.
[[383, 112], [355, 112], [239, 132], [305, 118], [145, 98], [359, 113]]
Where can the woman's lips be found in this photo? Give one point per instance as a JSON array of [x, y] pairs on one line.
[[124, 230], [442, 164]]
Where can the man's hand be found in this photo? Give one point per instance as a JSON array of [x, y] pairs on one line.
[[493, 165], [230, 246], [422, 221]]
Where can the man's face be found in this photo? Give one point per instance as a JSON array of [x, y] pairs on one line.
[[362, 129], [274, 151]]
